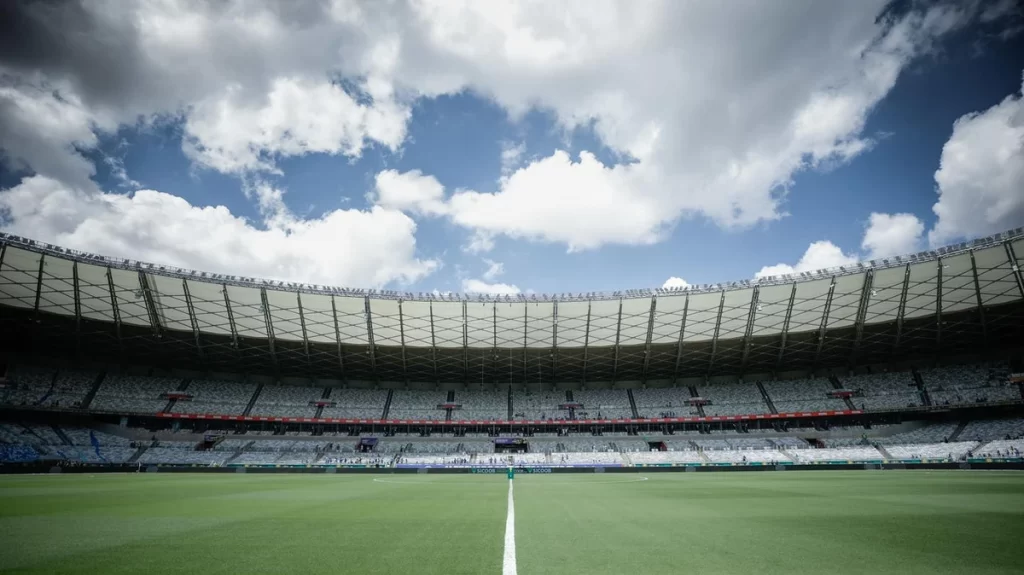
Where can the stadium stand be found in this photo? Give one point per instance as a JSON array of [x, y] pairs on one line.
[[222, 397], [481, 405], [883, 390], [288, 401], [732, 399], [133, 393], [603, 404], [544, 406], [803, 395], [417, 405], [664, 402], [966, 384], [356, 403]]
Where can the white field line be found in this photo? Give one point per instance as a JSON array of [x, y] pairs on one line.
[[508, 564]]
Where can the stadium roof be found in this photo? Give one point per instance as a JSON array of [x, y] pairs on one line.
[[947, 300]]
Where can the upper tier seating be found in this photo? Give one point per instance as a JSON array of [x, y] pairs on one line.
[[966, 384], [664, 402], [417, 405], [883, 390], [357, 404], [222, 397], [603, 404], [288, 401], [481, 405], [542, 405], [133, 393], [732, 399], [803, 395]]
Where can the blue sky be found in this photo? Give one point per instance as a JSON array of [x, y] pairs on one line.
[[453, 120]]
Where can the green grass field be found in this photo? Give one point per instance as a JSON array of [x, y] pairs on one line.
[[792, 522]]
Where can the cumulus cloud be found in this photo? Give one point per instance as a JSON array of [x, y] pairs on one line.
[[343, 247], [675, 283], [298, 116], [482, 287], [891, 234], [409, 191], [981, 174], [819, 255], [494, 269], [714, 110]]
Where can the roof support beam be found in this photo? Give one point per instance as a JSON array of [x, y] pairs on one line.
[[938, 305], [465, 342], [147, 296], [267, 317], [1018, 274], [785, 328], [337, 340], [977, 294], [39, 283], [3, 252], [902, 311], [372, 350], [78, 308], [401, 336], [586, 345], [749, 333], [302, 324], [554, 342], [824, 320], [679, 346], [618, 333], [433, 345], [231, 316], [494, 342], [718, 327], [191, 314], [647, 343], [526, 329], [862, 314], [113, 306]]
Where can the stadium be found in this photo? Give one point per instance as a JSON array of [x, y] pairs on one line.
[[402, 411], [341, 286]]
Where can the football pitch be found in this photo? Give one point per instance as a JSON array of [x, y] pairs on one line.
[[731, 522]]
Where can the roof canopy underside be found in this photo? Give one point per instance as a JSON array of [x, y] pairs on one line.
[[976, 292]]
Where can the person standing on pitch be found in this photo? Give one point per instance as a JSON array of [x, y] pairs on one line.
[[511, 473]]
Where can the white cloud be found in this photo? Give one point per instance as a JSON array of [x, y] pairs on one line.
[[675, 283], [409, 191], [344, 247], [717, 108], [494, 269], [482, 287], [819, 255], [980, 180], [511, 155], [479, 242], [299, 116], [42, 132], [892, 234]]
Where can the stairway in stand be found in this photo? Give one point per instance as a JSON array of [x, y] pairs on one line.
[[632, 404], [767, 398], [693, 393], [252, 400], [387, 404]]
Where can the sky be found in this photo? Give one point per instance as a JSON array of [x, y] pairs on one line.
[[510, 147]]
